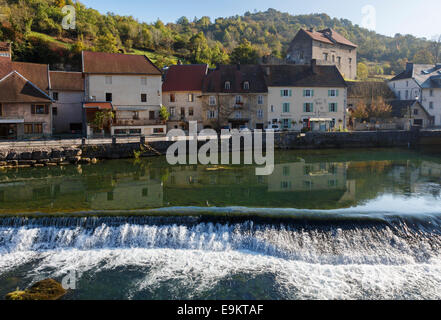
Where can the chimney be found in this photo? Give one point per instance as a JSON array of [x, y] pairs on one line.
[[409, 66], [268, 71], [314, 66]]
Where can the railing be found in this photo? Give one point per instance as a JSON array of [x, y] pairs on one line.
[[135, 122]]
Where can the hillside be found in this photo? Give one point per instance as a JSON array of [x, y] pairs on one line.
[[35, 28]]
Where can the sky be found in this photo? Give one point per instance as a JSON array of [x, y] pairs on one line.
[[388, 17]]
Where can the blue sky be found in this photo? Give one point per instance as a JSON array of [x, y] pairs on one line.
[[420, 18]]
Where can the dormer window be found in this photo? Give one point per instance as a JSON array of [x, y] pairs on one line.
[[246, 85], [227, 85]]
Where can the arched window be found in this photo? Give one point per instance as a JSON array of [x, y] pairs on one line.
[[227, 85], [246, 85]]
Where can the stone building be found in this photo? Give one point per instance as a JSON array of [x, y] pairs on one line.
[[423, 83], [25, 104], [67, 91], [327, 47], [235, 96], [306, 96], [130, 85], [182, 95]]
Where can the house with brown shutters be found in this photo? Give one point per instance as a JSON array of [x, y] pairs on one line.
[[235, 96], [25, 104], [67, 92], [326, 47], [130, 86], [182, 95]]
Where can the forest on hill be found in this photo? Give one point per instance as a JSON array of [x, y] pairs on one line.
[[34, 27]]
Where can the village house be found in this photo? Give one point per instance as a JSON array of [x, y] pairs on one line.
[[235, 96], [67, 91], [25, 104], [423, 83], [309, 97], [327, 47], [5, 50], [130, 85], [182, 95]]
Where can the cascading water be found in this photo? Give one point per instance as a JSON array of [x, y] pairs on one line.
[[395, 258]]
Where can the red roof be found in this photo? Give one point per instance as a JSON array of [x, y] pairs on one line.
[[98, 105], [117, 63], [185, 78], [328, 36], [35, 73]]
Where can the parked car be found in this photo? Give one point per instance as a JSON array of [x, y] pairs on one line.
[[274, 127]]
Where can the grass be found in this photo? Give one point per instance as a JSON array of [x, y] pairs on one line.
[[47, 38]]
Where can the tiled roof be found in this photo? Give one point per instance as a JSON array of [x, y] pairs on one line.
[[66, 81], [401, 107], [237, 75], [36, 73], [98, 105], [15, 88], [303, 76], [117, 63], [185, 78], [426, 75], [329, 36]]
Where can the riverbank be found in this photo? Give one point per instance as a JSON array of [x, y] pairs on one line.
[[54, 153]]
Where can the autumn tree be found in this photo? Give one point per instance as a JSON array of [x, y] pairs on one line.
[[245, 53], [106, 43], [360, 112], [380, 109], [362, 71]]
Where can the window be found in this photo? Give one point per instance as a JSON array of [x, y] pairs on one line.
[[407, 94], [260, 100], [325, 56], [333, 93], [143, 81], [286, 93], [109, 97], [158, 130], [172, 97], [407, 83], [246, 85], [350, 60], [227, 85], [108, 80], [286, 123], [399, 95], [238, 115], [415, 112], [286, 171], [143, 97], [191, 97], [339, 60], [55, 96], [38, 128], [182, 112], [333, 58], [135, 115], [431, 105], [286, 107], [110, 196], [238, 99], [308, 93], [308, 107], [145, 192], [260, 113], [28, 128], [190, 112], [211, 114], [55, 111], [431, 92], [152, 115], [172, 111], [418, 122], [39, 109], [272, 108], [212, 100], [332, 107]]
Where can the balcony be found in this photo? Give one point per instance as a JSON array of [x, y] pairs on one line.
[[11, 120]]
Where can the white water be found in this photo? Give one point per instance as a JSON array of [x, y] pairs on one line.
[[355, 261]]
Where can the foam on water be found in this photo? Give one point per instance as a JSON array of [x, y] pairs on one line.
[[397, 259]]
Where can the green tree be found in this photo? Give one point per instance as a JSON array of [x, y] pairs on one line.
[[106, 43], [423, 56], [362, 71], [164, 114], [200, 52], [245, 53]]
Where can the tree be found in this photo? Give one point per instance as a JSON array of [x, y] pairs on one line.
[[164, 114], [106, 43], [423, 56], [245, 53], [380, 109], [360, 112], [362, 71], [436, 46], [102, 118], [200, 52]]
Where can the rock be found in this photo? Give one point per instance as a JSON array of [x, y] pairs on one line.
[[12, 163], [27, 162], [38, 165], [94, 161], [44, 290], [51, 164], [39, 155], [3, 163], [43, 161], [12, 156], [85, 161], [26, 156]]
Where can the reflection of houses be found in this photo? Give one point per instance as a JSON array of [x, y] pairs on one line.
[[131, 85], [182, 95], [25, 105], [301, 176], [67, 90], [235, 96]]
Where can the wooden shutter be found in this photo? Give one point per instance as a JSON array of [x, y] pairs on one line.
[[33, 109], [290, 93], [304, 107], [336, 92], [312, 93], [312, 107]]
